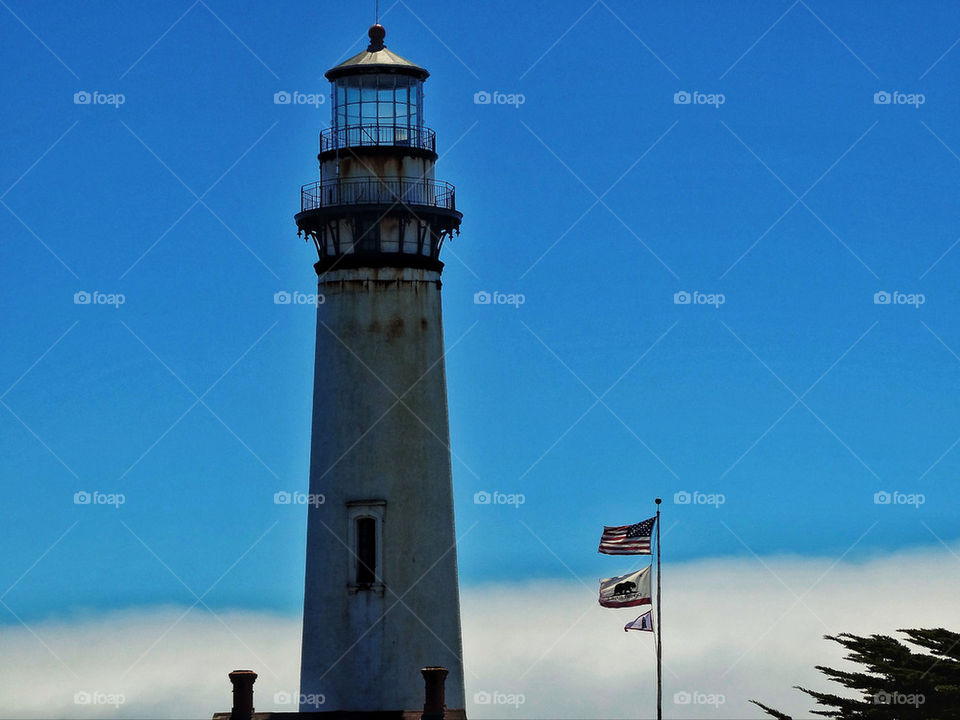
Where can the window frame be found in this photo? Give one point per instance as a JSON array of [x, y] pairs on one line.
[[376, 511]]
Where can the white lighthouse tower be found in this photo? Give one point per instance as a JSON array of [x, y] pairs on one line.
[[381, 597]]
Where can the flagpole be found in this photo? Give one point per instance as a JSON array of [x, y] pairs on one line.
[[659, 626]]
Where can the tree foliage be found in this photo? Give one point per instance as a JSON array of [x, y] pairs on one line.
[[895, 682]]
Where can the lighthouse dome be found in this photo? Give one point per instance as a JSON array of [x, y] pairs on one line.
[[377, 58]]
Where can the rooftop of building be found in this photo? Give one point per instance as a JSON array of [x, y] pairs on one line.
[[347, 715], [434, 705]]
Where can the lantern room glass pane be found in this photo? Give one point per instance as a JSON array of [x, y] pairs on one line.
[[379, 99], [403, 105]]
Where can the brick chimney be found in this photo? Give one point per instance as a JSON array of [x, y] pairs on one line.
[[242, 694], [434, 703]]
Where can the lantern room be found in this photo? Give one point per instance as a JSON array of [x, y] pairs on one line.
[[377, 100]]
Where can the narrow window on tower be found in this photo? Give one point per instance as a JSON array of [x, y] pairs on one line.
[[365, 557], [366, 529]]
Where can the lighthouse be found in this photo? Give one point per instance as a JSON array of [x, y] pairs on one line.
[[381, 597]]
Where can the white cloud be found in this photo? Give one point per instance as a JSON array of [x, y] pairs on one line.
[[161, 672], [732, 629]]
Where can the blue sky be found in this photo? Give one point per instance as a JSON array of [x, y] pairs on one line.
[[598, 199]]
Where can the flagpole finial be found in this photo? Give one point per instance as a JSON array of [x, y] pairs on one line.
[[658, 501]]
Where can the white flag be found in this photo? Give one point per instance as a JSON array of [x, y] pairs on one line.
[[627, 590], [644, 622]]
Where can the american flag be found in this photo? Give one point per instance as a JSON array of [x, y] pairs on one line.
[[627, 539]]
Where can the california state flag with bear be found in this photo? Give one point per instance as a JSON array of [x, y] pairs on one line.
[[627, 590]]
